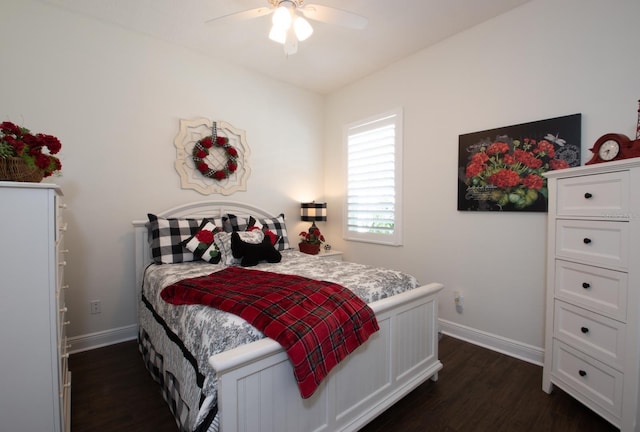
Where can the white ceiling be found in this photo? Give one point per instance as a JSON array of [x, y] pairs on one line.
[[331, 58]]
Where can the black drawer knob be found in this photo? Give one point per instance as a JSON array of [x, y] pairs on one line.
[[586, 285], [584, 330], [582, 373], [588, 195], [586, 240]]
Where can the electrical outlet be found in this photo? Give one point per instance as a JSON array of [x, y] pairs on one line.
[[458, 300], [95, 307]]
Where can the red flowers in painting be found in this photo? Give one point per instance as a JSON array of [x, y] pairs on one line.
[[498, 148], [556, 164], [533, 181], [504, 178], [36, 150], [510, 171], [477, 164]]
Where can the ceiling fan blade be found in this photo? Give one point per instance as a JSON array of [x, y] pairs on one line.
[[333, 16], [243, 15]]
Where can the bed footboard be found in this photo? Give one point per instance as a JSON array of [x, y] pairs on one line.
[[257, 390]]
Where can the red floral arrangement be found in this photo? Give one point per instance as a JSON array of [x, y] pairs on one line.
[[202, 149], [36, 150], [313, 236], [511, 173]]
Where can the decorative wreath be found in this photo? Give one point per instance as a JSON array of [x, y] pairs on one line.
[[201, 151]]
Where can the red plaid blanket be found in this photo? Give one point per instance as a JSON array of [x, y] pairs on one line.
[[318, 323]]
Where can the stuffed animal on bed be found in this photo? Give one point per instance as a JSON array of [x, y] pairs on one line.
[[251, 254]]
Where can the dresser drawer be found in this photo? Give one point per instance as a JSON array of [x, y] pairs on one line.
[[61, 296], [62, 264], [63, 366], [62, 228], [588, 378], [593, 242], [600, 195], [62, 253], [59, 217], [62, 324], [63, 354], [60, 284], [592, 333], [595, 288]]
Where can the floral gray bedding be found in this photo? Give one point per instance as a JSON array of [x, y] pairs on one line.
[[177, 341]]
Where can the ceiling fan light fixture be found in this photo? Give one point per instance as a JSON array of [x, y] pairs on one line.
[[278, 34], [282, 17], [288, 27], [302, 28]]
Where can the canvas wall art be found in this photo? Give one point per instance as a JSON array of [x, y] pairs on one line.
[[501, 169]]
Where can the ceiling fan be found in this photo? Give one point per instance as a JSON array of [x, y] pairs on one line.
[[289, 23]]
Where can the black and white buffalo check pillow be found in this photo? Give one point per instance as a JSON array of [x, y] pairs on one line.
[[166, 236], [277, 226], [233, 223]]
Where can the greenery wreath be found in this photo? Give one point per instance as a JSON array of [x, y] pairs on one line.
[[201, 151]]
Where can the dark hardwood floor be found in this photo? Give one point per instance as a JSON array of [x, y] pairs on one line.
[[111, 390], [477, 390]]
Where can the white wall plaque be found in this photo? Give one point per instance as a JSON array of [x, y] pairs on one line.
[[191, 131]]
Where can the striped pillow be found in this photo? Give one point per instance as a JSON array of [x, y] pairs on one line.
[[202, 243]]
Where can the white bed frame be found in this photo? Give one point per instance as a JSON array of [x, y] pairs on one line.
[[256, 387]]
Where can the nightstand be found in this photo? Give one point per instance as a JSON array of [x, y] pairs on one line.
[[330, 255]]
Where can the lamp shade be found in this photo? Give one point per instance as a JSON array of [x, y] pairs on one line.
[[313, 212]]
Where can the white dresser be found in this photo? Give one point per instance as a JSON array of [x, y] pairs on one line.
[[35, 383], [593, 283]]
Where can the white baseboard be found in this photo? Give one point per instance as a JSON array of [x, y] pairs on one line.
[[519, 350], [99, 339]]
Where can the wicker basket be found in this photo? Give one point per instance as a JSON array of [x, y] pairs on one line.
[[16, 169]]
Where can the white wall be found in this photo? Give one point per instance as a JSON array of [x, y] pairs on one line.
[[114, 98], [545, 59]]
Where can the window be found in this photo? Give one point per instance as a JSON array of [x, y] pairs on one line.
[[374, 179]]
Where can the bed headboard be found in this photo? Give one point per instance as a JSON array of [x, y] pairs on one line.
[[199, 209]]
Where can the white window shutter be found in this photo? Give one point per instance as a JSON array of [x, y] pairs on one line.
[[374, 179]]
